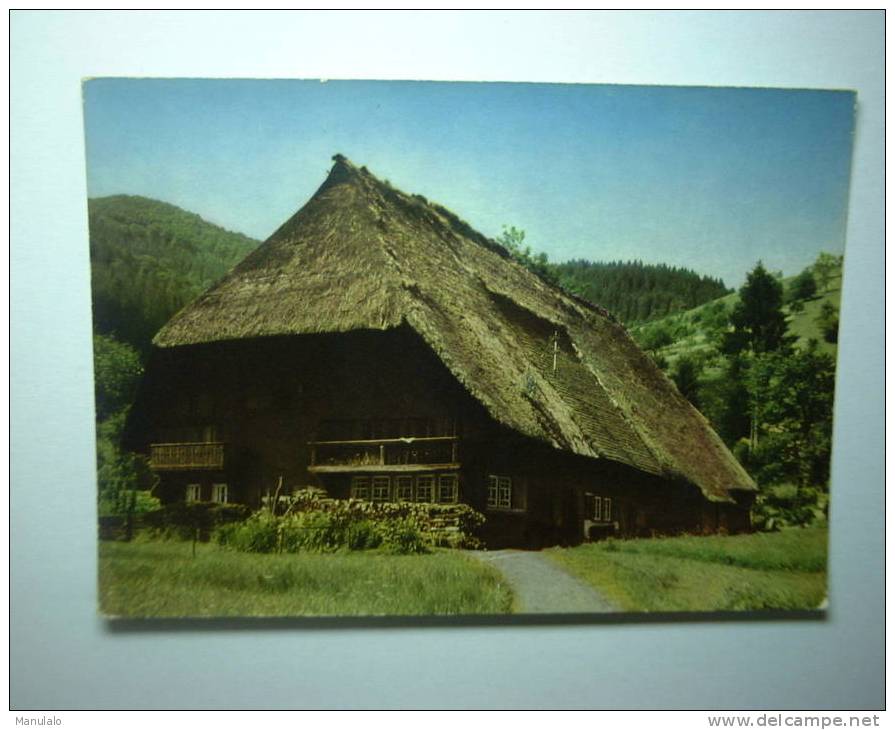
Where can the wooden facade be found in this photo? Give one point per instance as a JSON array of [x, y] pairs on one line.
[[376, 415]]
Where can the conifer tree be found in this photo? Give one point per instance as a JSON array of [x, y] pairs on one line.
[[758, 321]]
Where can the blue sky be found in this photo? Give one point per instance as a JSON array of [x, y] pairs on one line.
[[709, 178]]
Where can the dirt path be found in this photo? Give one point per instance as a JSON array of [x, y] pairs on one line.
[[541, 586]]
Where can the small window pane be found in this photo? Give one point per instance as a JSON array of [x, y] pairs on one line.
[[360, 487], [193, 493], [425, 489], [404, 489], [381, 489], [447, 488], [504, 492], [492, 492], [607, 509], [598, 513], [219, 493]]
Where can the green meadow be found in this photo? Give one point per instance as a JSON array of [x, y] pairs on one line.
[[782, 570], [164, 579]]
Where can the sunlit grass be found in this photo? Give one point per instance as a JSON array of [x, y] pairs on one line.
[[163, 579], [785, 570]]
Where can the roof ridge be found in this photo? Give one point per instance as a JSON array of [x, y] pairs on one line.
[[344, 169]]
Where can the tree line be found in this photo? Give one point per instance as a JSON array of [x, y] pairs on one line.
[[632, 290]]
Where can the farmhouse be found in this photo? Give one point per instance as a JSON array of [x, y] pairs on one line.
[[380, 348]]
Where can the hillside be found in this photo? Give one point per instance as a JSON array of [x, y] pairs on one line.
[[696, 332], [637, 292], [148, 259]]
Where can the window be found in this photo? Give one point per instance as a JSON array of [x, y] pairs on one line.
[[193, 492], [502, 495], [219, 493], [425, 488], [360, 488], [492, 492], [381, 489], [447, 488], [602, 509], [504, 492], [403, 489]]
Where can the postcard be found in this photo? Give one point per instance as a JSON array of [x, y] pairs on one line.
[[370, 348]]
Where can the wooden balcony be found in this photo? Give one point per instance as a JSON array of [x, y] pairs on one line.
[[385, 455], [169, 457]]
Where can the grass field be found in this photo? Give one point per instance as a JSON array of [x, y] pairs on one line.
[[163, 579], [783, 570]]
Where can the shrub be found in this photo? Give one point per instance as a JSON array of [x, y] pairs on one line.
[[122, 477], [185, 520], [686, 376], [828, 322], [786, 506], [258, 534], [656, 336], [117, 372], [802, 287], [313, 531], [402, 537], [364, 535], [226, 535], [309, 521], [222, 514]]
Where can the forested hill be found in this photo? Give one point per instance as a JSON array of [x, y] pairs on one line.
[[149, 259], [637, 292]]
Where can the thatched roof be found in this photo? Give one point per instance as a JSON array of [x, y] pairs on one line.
[[363, 255]]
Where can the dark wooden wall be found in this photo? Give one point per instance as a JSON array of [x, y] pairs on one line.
[[266, 397]]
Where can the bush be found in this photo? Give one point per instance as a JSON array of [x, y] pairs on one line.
[[307, 520], [313, 531], [786, 506], [258, 534], [715, 318], [122, 477], [828, 322], [655, 337], [402, 528], [117, 371], [802, 287], [184, 520], [686, 377], [364, 535], [402, 537]]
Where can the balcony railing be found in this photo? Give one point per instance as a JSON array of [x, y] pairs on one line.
[[205, 455], [398, 454]]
